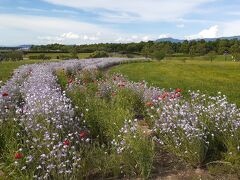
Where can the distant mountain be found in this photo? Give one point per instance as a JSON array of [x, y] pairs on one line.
[[20, 47], [169, 40], [206, 39], [228, 38], [24, 46]]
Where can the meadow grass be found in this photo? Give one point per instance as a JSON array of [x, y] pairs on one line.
[[208, 77], [182, 57]]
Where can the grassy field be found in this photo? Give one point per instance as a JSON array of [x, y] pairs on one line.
[[200, 58], [205, 76], [7, 67]]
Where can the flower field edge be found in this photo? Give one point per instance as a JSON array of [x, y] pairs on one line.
[[79, 122]]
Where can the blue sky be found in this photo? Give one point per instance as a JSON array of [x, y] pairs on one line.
[[95, 21]]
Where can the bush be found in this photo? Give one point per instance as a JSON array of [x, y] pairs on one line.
[[11, 56], [64, 57], [236, 57], [40, 56], [99, 54], [130, 56], [158, 55], [211, 55]]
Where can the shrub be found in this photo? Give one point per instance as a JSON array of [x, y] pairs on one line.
[[99, 54], [40, 56], [130, 56], [11, 56], [158, 55], [211, 55], [236, 57], [64, 57]]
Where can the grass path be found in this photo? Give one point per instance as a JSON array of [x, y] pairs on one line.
[[205, 76]]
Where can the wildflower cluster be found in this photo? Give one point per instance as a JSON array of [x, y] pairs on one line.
[[67, 120], [49, 138], [196, 127], [10, 96]]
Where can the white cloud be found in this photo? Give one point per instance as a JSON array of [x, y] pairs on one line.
[[212, 32], [146, 38], [134, 37], [66, 37], [70, 35], [47, 24], [64, 11], [180, 25], [231, 28], [234, 13], [30, 9], [120, 17], [164, 36], [125, 10], [24, 28], [19, 29]]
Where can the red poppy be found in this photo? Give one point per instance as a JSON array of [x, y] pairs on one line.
[[178, 90], [83, 134], [177, 95], [172, 96], [165, 95], [66, 142], [5, 94], [18, 155], [98, 93], [70, 81], [121, 84], [149, 104]]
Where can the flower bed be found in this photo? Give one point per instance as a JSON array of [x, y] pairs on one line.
[[68, 120]]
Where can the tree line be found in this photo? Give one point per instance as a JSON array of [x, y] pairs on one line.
[[151, 49], [11, 56], [191, 48]]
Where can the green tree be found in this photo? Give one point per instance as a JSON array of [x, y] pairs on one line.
[[168, 49], [184, 48], [99, 54], [74, 52], [192, 52], [158, 55], [211, 55], [223, 46], [146, 51], [201, 48], [236, 57], [235, 48]]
